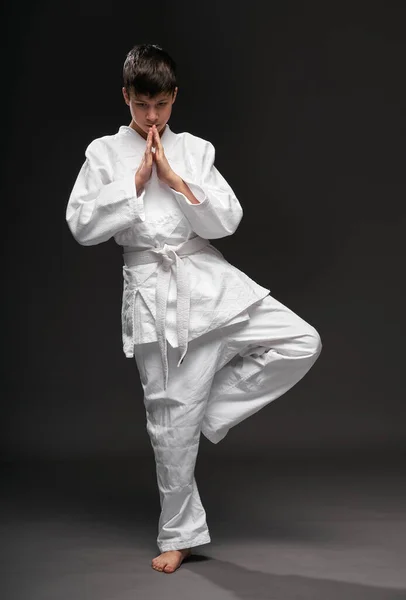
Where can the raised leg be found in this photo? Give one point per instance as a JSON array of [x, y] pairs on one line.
[[262, 360]]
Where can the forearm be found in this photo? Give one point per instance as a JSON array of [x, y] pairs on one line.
[[139, 187], [180, 186]]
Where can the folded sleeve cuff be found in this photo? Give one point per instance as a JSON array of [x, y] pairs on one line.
[[136, 202], [196, 190]]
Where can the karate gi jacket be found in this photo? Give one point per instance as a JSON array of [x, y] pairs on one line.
[[104, 204]]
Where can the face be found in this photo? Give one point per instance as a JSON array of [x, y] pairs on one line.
[[146, 112]]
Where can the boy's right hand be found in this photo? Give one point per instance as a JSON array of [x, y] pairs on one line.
[[145, 169]]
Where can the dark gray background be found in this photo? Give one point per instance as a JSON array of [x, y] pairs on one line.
[[305, 105]]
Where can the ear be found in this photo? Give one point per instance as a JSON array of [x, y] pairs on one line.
[[126, 98]]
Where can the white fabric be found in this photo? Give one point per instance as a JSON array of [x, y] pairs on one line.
[[169, 255], [225, 377], [233, 347], [103, 204]]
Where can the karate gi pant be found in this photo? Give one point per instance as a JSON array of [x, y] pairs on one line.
[[227, 375]]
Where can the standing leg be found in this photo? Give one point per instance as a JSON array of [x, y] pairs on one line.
[[174, 418], [260, 361]]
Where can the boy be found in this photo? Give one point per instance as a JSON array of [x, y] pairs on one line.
[[233, 347]]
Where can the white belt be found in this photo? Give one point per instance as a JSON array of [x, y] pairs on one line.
[[169, 255]]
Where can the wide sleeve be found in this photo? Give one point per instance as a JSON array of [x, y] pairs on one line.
[[218, 213], [99, 207]]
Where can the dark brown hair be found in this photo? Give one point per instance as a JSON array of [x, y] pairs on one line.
[[149, 70]]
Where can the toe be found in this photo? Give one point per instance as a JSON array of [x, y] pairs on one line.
[[169, 569]]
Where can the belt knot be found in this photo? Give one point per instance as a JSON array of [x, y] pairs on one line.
[[168, 255]]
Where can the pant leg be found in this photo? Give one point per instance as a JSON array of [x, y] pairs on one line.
[[260, 361], [226, 375], [174, 418]]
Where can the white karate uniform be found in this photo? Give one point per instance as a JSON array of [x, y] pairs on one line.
[[233, 348]]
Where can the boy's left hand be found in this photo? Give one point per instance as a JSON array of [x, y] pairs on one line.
[[163, 168]]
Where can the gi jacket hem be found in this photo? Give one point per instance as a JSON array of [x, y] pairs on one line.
[[235, 293]]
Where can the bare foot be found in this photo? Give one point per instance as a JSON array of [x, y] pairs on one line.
[[169, 561]]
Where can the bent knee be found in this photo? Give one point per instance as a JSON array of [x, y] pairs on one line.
[[313, 341]]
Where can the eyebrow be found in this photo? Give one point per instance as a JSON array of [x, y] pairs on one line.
[[141, 100]]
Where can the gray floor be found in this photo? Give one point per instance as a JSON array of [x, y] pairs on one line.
[[280, 530]]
